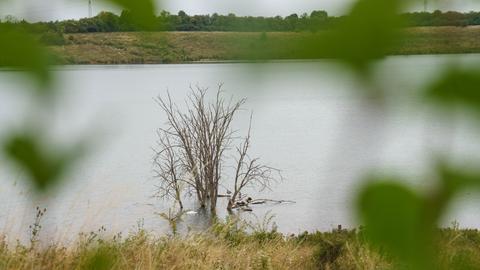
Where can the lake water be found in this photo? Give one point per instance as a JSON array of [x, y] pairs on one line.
[[309, 120]]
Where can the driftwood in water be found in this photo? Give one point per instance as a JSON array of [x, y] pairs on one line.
[[263, 201], [244, 205]]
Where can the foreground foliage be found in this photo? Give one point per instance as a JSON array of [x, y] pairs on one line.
[[226, 246]]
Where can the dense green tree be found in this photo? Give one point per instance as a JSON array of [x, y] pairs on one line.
[[317, 20]]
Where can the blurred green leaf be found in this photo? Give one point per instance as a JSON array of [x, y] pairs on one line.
[[43, 166], [20, 50], [457, 87], [452, 181], [366, 34], [142, 12], [393, 216], [456, 179], [406, 223]]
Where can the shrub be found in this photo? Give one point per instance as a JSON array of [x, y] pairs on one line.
[[53, 38]]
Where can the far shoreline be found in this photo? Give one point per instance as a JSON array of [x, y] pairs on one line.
[[133, 48]]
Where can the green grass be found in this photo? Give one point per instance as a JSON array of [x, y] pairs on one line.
[[181, 47]]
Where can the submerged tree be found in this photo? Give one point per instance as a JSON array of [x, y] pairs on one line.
[[193, 150]]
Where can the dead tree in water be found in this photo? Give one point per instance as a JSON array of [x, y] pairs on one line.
[[193, 149], [194, 143]]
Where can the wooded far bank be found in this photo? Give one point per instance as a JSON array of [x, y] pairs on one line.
[[315, 21]]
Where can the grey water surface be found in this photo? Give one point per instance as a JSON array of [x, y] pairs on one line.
[[310, 120]]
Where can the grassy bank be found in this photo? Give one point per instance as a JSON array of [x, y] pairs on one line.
[[180, 47], [226, 247]]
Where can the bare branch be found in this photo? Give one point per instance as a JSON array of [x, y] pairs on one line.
[[249, 171]]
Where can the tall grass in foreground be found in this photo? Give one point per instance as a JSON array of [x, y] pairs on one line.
[[229, 246]]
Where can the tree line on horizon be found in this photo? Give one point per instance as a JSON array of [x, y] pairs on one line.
[[316, 20]]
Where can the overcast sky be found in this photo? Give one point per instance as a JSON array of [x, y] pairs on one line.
[[35, 10]]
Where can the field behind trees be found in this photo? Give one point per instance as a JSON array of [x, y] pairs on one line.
[[181, 47]]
